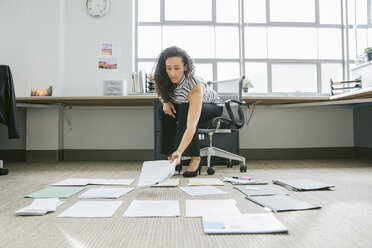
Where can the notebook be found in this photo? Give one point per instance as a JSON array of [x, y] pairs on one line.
[[302, 184], [280, 203]]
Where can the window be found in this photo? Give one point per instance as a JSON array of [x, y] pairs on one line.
[[281, 46]]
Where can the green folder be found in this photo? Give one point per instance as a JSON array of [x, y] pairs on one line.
[[55, 192]]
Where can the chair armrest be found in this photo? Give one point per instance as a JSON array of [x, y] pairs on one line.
[[241, 102]]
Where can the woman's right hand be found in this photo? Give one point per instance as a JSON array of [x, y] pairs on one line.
[[169, 109]]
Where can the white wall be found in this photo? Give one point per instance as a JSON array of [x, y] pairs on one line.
[[55, 42], [83, 35]]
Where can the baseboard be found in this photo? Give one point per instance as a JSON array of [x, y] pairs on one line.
[[44, 155], [108, 155], [299, 153], [149, 154], [363, 152], [12, 155]]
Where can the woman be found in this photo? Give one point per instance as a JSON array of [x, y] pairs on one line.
[[187, 100]]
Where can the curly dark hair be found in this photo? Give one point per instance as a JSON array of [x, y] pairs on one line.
[[164, 86]]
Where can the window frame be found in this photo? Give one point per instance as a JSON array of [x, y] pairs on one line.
[[345, 60]]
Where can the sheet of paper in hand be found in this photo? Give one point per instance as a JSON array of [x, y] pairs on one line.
[[155, 172]]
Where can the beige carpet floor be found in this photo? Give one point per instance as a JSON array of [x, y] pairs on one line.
[[345, 219]]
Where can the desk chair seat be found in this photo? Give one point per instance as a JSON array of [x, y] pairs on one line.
[[231, 120]]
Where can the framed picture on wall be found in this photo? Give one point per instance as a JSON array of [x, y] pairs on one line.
[[41, 90]]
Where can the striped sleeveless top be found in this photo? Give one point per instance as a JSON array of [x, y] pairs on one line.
[[185, 85]]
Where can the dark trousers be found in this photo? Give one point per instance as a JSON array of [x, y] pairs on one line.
[[174, 128]]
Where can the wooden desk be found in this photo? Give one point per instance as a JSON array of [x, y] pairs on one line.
[[147, 100], [361, 96]]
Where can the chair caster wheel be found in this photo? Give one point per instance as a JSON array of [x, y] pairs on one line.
[[229, 164], [243, 168], [3, 171], [211, 170], [179, 168]]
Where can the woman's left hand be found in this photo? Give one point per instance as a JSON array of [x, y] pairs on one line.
[[176, 155]]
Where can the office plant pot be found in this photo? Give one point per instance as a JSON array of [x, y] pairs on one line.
[[245, 90], [369, 56]]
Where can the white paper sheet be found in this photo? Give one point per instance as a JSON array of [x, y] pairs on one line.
[[244, 223], [198, 208], [105, 193], [40, 206], [92, 209], [205, 181], [243, 181], [93, 181], [73, 182], [153, 209], [170, 182], [202, 190], [155, 172]]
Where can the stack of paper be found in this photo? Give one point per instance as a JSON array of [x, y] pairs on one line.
[[303, 184], [40, 207], [205, 181], [86, 181], [92, 209], [199, 208], [155, 172], [202, 190], [56, 192], [105, 193], [261, 190], [243, 223], [243, 181], [153, 209]]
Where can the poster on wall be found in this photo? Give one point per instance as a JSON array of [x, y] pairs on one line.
[[110, 50], [41, 90], [107, 64]]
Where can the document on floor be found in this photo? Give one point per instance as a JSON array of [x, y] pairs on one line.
[[139, 208], [105, 193], [202, 190], [55, 192], [244, 181], [40, 207], [261, 190], [170, 182], [243, 223], [92, 209], [199, 208], [302, 184], [205, 182], [155, 172], [92, 181], [280, 203]]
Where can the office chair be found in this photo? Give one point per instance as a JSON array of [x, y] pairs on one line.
[[231, 120]]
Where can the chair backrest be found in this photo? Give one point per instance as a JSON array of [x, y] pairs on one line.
[[231, 90]]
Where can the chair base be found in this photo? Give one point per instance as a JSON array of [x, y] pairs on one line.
[[214, 151]]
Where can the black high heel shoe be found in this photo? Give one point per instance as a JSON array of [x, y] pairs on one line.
[[179, 168], [193, 173]]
